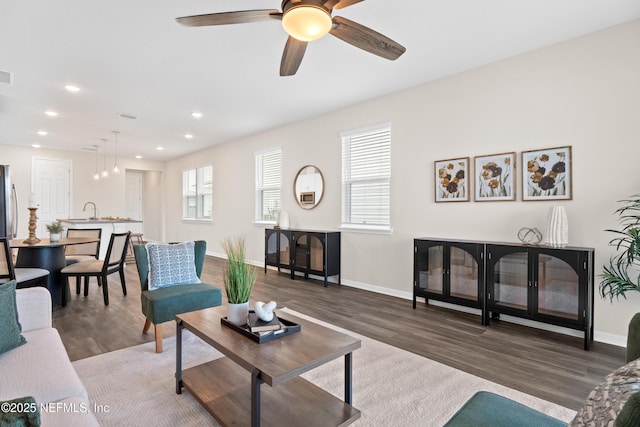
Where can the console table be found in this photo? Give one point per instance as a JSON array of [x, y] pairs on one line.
[[307, 251], [541, 283]]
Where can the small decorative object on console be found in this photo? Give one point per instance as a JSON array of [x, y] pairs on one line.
[[529, 236], [265, 311]]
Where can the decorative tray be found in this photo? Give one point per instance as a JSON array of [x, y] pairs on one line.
[[288, 328]]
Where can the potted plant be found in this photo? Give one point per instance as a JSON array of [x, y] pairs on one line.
[[616, 278], [55, 231], [239, 279]]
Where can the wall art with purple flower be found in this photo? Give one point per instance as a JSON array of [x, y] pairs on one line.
[[495, 177], [451, 180], [546, 174]]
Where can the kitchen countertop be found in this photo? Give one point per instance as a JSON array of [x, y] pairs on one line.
[[103, 220]]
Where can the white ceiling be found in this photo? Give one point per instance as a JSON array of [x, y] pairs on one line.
[[131, 57]]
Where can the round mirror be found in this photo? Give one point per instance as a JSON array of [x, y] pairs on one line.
[[308, 187]]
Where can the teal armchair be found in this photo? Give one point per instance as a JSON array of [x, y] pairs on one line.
[[162, 305]]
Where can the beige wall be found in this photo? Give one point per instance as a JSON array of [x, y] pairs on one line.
[[584, 93]]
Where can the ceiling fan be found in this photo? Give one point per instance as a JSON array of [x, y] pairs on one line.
[[305, 21]]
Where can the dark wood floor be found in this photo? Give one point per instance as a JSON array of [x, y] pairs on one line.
[[548, 365]]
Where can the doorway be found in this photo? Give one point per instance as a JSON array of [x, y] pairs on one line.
[[133, 191], [51, 185]]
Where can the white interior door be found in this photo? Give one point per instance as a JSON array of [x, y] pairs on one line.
[[133, 202], [51, 184]]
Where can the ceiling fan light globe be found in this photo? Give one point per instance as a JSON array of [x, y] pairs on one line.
[[306, 23]]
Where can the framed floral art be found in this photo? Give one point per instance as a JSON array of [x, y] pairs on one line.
[[451, 180], [546, 174], [495, 177]]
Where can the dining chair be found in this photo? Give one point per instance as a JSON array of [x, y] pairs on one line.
[[101, 269], [25, 277], [83, 251]]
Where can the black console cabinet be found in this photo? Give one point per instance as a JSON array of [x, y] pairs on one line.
[[549, 285], [306, 251], [540, 283]]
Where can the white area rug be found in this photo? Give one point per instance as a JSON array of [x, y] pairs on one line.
[[391, 387]]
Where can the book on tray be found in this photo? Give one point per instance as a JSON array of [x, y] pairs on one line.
[[258, 325]]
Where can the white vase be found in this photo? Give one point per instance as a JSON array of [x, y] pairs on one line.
[[237, 313], [283, 220], [557, 227], [54, 237]]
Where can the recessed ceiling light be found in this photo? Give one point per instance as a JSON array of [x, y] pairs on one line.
[[42, 132], [51, 113], [196, 114], [35, 145], [138, 156], [188, 136], [159, 148], [72, 88]]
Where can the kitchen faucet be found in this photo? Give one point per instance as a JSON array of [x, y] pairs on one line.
[[95, 209]]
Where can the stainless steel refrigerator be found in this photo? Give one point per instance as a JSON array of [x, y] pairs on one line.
[[8, 204]]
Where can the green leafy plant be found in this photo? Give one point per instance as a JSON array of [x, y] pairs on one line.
[[55, 227], [622, 274], [239, 277]]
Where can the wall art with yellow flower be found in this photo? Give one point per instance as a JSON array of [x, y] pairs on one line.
[[546, 174], [451, 180], [495, 177]]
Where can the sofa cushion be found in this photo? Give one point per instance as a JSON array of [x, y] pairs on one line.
[[629, 416], [10, 328], [607, 400], [486, 409], [162, 305], [40, 368], [171, 264], [22, 411]]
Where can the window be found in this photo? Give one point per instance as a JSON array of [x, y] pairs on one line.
[[197, 193], [366, 179], [268, 183]]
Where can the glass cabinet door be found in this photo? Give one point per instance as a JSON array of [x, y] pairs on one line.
[[316, 253], [558, 287], [510, 280], [463, 274], [272, 248], [429, 263], [283, 249]]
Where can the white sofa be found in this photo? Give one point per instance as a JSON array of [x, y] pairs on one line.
[[41, 368]]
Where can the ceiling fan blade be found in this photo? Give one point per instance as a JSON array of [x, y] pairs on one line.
[[366, 39], [292, 56], [225, 18], [341, 4]]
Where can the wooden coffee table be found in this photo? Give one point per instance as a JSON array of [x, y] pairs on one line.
[[229, 388]]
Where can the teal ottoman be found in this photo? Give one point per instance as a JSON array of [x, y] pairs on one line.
[[485, 409]]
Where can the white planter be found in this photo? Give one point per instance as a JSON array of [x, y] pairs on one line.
[[54, 237], [237, 313]]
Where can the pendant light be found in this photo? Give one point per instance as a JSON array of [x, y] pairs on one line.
[[105, 172], [96, 175], [116, 169]]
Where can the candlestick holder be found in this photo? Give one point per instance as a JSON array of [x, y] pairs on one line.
[[32, 227]]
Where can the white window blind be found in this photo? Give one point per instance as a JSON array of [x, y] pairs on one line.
[[366, 178], [197, 193], [268, 184]]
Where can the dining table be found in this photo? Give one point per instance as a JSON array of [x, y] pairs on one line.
[[50, 256]]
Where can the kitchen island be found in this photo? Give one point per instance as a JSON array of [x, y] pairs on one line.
[[108, 225]]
